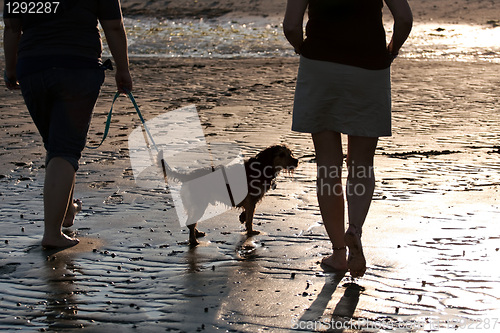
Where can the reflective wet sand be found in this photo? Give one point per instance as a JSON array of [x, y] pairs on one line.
[[431, 238]]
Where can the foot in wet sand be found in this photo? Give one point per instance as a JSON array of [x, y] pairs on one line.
[[337, 261], [59, 242], [356, 262], [73, 209], [253, 232]]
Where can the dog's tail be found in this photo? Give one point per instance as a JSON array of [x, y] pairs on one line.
[[168, 172], [172, 175]]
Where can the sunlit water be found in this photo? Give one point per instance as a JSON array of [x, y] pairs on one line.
[[454, 42], [201, 38], [218, 38], [150, 37]]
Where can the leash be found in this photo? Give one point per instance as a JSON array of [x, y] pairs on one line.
[[108, 123], [108, 120], [136, 107], [159, 152]]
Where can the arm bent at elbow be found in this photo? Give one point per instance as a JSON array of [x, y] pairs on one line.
[[403, 22], [117, 42], [293, 21]]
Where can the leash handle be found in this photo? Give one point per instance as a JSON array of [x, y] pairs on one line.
[[108, 120]]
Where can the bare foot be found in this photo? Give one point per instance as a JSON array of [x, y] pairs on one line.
[[356, 263], [73, 209], [337, 261], [62, 241], [253, 232]]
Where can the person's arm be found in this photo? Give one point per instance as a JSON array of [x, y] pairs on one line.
[[403, 22], [11, 36], [293, 22], [117, 42]]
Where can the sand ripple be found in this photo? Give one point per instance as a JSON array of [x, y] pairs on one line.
[[431, 237]]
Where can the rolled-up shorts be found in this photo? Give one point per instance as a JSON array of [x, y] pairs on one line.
[[60, 102], [342, 98]]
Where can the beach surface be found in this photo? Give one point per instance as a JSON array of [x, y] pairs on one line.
[[431, 237]]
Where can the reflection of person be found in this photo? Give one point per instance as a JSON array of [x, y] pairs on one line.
[[343, 86], [55, 55]]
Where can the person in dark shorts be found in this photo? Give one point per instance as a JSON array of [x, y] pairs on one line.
[[343, 86], [53, 54]]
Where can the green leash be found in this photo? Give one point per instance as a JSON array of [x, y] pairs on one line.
[[108, 120], [163, 163], [108, 123]]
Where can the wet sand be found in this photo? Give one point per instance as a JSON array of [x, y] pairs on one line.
[[431, 237]]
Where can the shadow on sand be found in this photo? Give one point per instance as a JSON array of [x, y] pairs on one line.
[[344, 309]]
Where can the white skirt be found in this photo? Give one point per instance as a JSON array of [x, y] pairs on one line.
[[342, 98]]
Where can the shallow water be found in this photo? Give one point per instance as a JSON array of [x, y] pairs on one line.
[[459, 42], [219, 38], [205, 38], [223, 38]]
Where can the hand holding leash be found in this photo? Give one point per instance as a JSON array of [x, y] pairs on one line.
[[123, 81]]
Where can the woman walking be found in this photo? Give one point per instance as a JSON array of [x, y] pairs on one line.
[[53, 52], [343, 86]]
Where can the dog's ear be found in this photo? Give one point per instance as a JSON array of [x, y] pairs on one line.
[[267, 154]]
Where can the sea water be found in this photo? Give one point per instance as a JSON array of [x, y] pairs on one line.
[[224, 38], [246, 38]]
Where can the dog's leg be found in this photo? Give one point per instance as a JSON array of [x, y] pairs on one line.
[[199, 233], [194, 234], [250, 210]]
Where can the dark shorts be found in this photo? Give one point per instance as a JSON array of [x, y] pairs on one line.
[[60, 102]]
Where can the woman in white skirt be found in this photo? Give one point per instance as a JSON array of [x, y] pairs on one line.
[[343, 86]]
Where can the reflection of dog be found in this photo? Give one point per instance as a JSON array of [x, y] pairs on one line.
[[261, 172]]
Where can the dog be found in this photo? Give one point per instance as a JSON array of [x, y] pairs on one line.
[[261, 172]]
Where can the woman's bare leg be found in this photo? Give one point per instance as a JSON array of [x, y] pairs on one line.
[[58, 187], [359, 191], [329, 158], [74, 207]]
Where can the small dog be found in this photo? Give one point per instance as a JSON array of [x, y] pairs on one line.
[[261, 172]]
